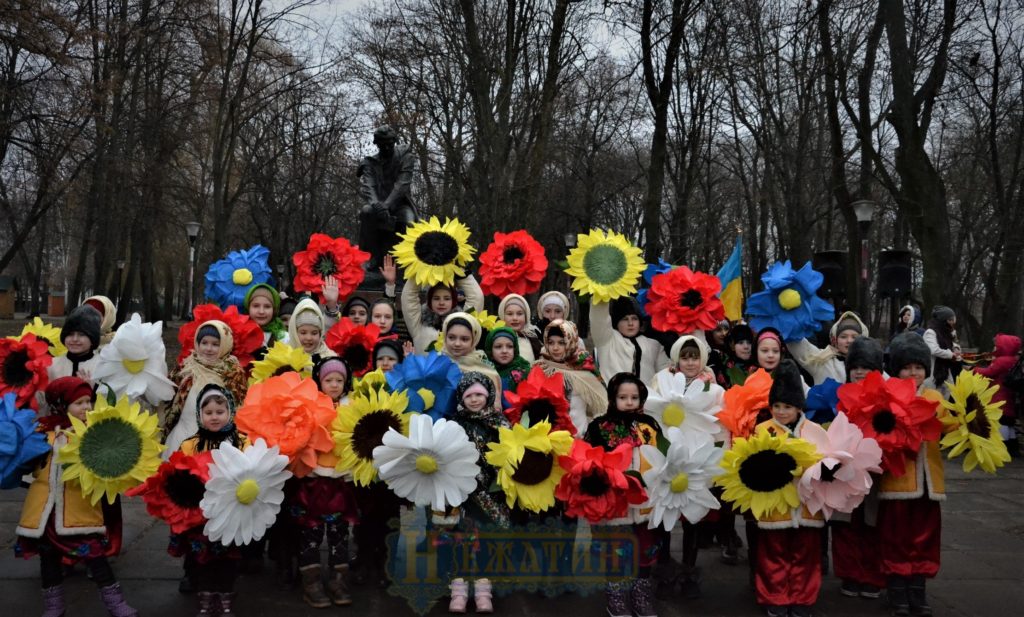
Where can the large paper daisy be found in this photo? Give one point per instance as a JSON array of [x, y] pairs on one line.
[[431, 252], [289, 412], [244, 493], [429, 381], [228, 279], [134, 363], [540, 398], [741, 404], [595, 485], [247, 333], [604, 265], [45, 332], [891, 412], [282, 358], [20, 443], [682, 301], [354, 344], [973, 423], [173, 493], [679, 481], [691, 408], [360, 427], [788, 302], [760, 472], [527, 463], [115, 449], [435, 466], [23, 364], [513, 264], [841, 479], [326, 256]]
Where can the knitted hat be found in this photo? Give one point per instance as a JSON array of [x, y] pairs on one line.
[[866, 353], [623, 307], [686, 341], [908, 348], [617, 381], [355, 301], [205, 331], [470, 382], [787, 385], [943, 313], [86, 320], [327, 366], [63, 391], [464, 319], [739, 333], [389, 347], [263, 290]]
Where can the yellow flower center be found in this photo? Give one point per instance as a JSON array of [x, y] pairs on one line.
[[428, 398], [674, 415], [241, 276], [247, 492], [680, 483], [789, 299], [134, 366], [426, 464]]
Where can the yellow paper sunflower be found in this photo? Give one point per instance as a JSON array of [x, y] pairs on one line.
[[45, 332], [372, 381], [973, 423], [360, 427], [527, 463], [432, 252], [281, 358], [605, 265], [760, 472], [115, 449]]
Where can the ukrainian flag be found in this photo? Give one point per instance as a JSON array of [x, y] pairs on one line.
[[732, 283]]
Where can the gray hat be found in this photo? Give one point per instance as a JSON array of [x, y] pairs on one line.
[[943, 313]]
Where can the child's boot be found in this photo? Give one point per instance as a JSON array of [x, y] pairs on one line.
[[897, 594], [53, 601], [224, 601], [206, 603], [617, 597], [313, 587], [482, 596], [338, 587], [642, 598], [918, 598], [460, 595], [113, 599]]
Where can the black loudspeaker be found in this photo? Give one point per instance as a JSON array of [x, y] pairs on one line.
[[832, 265], [894, 274]]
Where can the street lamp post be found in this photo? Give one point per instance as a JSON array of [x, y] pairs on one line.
[[280, 276], [192, 231], [864, 210], [120, 278]]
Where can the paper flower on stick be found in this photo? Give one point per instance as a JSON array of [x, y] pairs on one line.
[[595, 485], [20, 443], [173, 493], [282, 358], [23, 364], [513, 263], [679, 481], [650, 272], [326, 256], [688, 407], [373, 381], [45, 332], [246, 333], [540, 398], [360, 427], [527, 463], [429, 381], [682, 301], [134, 363], [228, 279], [788, 302], [822, 400], [741, 404], [354, 344], [604, 265], [761, 472], [973, 423], [842, 478], [432, 252]]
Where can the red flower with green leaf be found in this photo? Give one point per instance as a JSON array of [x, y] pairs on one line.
[[595, 485], [326, 256], [541, 398], [23, 364]]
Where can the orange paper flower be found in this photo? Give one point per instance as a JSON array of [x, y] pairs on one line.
[[743, 403]]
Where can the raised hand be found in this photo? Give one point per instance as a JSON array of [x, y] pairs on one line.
[[330, 291], [388, 270]]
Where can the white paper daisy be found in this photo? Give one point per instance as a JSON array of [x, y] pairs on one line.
[[134, 364], [690, 408], [244, 492], [436, 465], [679, 481]]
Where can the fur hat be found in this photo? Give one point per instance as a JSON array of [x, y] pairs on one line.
[[84, 319], [909, 348], [864, 352], [739, 333], [623, 307], [787, 385]]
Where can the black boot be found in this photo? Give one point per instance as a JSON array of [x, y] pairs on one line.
[[917, 596], [897, 593]]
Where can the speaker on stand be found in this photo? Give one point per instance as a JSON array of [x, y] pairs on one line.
[[832, 265], [895, 278]]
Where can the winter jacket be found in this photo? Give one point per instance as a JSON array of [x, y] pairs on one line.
[[924, 471], [615, 352], [73, 514], [823, 363], [1007, 353], [798, 516]]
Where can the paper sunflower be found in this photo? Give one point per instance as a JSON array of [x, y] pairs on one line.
[[741, 404], [173, 493], [650, 272], [23, 364], [360, 427], [431, 252], [513, 264], [244, 493], [760, 472], [247, 333], [374, 380], [20, 443], [228, 279], [690, 408], [679, 481], [527, 463], [595, 485], [841, 479], [788, 302], [682, 301], [115, 449], [822, 400], [435, 466], [134, 363], [540, 398], [325, 256], [891, 412], [289, 412], [604, 265], [45, 332], [973, 423], [354, 344], [429, 381], [282, 358]]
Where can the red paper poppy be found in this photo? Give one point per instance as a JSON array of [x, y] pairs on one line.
[[326, 256], [247, 333], [890, 411], [354, 344], [23, 365], [742, 404], [544, 398], [173, 493], [682, 301], [513, 263], [595, 485]]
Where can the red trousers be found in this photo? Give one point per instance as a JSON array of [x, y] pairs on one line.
[[788, 566], [855, 551], [910, 534]]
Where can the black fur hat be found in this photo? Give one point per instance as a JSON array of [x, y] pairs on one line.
[[864, 352], [787, 385], [622, 307], [909, 348], [84, 319]]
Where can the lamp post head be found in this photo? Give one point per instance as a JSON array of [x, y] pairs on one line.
[[864, 210], [280, 269], [570, 241], [120, 264], [192, 231]]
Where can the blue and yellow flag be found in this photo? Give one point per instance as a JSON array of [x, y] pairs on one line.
[[732, 282]]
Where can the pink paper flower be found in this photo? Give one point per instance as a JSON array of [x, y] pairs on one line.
[[841, 479]]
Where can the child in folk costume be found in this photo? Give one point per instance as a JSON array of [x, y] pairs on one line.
[[1006, 356], [58, 523], [108, 315], [81, 334], [618, 343], [287, 308], [387, 353], [262, 305], [740, 361], [829, 362], [307, 329], [514, 310], [425, 321], [503, 348], [462, 333], [587, 396]]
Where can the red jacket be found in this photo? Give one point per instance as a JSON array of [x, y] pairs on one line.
[[1006, 353]]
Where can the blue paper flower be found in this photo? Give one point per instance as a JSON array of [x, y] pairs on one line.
[[650, 272], [821, 401], [20, 444], [433, 372], [227, 280], [788, 302]]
